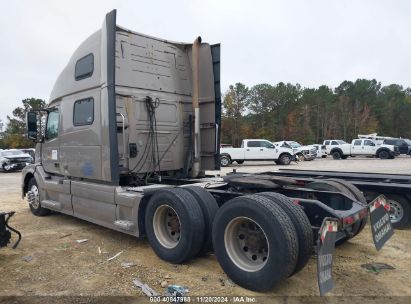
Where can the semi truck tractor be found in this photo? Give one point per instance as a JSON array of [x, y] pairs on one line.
[[132, 126]]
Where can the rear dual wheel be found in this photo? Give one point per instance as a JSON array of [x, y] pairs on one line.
[[256, 241], [178, 223]]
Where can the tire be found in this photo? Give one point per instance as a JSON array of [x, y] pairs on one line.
[[383, 154], [402, 209], [344, 156], [336, 155], [240, 162], [174, 207], [225, 161], [324, 156], [267, 224], [285, 159], [34, 199], [301, 224], [209, 207], [353, 189], [328, 185], [358, 195]]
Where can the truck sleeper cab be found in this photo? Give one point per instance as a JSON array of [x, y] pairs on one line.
[[132, 125]]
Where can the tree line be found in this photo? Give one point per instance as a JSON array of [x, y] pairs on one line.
[[309, 115], [285, 112]]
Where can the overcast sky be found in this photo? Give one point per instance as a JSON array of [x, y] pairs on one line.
[[307, 42]]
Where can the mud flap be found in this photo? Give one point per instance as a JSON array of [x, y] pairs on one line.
[[381, 226], [325, 251]]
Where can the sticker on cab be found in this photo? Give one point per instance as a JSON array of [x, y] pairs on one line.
[[54, 155]]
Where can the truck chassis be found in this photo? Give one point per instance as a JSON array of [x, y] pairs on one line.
[[263, 227], [395, 187]]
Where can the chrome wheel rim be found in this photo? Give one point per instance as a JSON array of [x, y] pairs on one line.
[[166, 224], [34, 197], [224, 161], [246, 244], [396, 211]]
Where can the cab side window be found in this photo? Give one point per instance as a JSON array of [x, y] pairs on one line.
[[327, 142], [357, 142], [368, 143], [266, 144], [334, 143], [253, 144], [84, 67], [83, 112], [52, 128]]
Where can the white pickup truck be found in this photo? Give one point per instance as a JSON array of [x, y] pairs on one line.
[[256, 149], [339, 149]]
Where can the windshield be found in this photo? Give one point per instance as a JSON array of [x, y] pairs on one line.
[[340, 142], [294, 144], [11, 153]]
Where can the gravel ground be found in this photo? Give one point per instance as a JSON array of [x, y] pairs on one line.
[[49, 261]]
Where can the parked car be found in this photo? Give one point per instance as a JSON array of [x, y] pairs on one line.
[[402, 144], [31, 152], [300, 151], [339, 149], [256, 149], [14, 160]]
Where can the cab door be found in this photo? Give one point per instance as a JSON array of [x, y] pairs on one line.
[[356, 147], [369, 147], [50, 155], [268, 150], [253, 150]]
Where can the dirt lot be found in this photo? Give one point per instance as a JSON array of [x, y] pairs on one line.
[[61, 266]]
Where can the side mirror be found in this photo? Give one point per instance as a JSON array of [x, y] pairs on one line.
[[32, 125]]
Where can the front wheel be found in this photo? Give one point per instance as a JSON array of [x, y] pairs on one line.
[[383, 154], [33, 197], [285, 159], [336, 155]]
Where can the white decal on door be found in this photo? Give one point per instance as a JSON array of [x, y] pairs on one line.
[[54, 155]]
